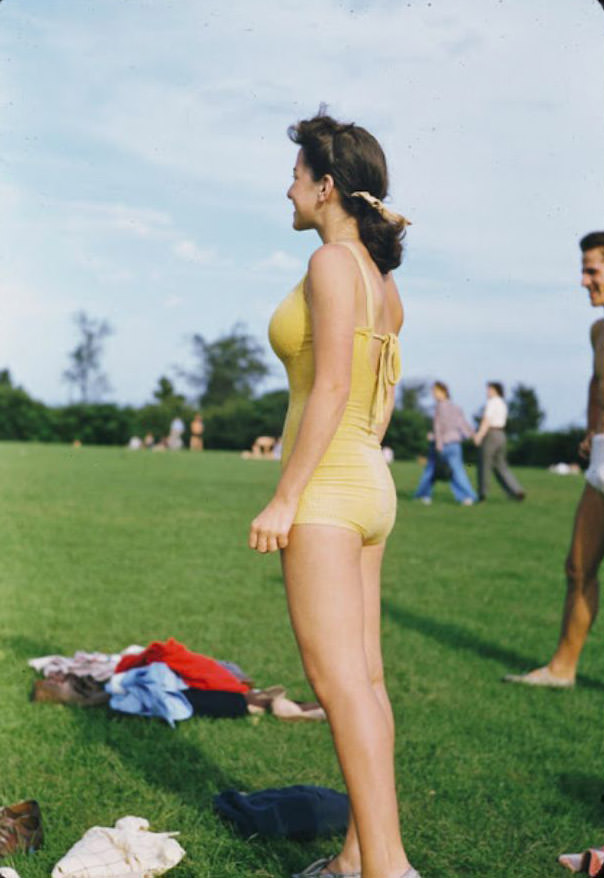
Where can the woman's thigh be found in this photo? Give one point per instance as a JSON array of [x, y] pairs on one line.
[[371, 567], [326, 600]]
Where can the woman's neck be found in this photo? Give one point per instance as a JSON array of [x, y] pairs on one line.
[[338, 226]]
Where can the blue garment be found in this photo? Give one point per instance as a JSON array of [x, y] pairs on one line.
[[301, 812], [460, 483], [424, 489], [151, 690]]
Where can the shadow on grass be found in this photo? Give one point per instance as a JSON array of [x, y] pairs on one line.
[[457, 637], [586, 789], [170, 763], [26, 647]]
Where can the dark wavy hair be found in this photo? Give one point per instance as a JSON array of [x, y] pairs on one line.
[[497, 387], [592, 241], [440, 385], [356, 161]]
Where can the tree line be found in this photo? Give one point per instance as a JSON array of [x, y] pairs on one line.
[[224, 381]]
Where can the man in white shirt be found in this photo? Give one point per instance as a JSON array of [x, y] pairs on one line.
[[587, 546], [491, 436]]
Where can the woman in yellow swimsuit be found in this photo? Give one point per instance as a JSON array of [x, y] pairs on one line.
[[334, 506]]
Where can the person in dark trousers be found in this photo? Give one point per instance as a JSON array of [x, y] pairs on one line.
[[491, 438]]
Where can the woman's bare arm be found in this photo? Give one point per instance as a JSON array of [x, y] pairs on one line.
[[331, 281]]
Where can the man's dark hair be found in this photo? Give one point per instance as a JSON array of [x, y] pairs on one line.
[[592, 241], [497, 387]]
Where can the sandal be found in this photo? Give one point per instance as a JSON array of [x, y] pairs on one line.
[[318, 870]]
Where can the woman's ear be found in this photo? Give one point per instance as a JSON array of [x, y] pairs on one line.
[[326, 187]]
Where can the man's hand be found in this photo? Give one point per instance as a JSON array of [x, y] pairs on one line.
[[585, 446]]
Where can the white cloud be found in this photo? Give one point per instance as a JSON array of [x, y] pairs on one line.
[[190, 252], [140, 222], [173, 301], [488, 112], [279, 260]]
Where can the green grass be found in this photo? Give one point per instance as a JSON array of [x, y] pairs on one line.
[[100, 548]]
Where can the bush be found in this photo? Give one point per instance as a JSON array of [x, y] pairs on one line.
[[543, 449], [406, 434], [95, 423], [22, 417]]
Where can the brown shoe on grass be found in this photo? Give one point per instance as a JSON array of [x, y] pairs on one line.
[[20, 828]]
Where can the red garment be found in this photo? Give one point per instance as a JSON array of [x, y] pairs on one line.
[[198, 671]]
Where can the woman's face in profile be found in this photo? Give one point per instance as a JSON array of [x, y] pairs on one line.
[[303, 195]]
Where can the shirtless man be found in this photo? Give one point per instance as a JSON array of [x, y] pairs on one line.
[[587, 546]]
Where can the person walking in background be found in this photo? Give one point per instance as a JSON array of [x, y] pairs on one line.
[[450, 428], [335, 502], [491, 437], [587, 544]]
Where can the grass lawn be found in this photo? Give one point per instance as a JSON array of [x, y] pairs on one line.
[[101, 548]]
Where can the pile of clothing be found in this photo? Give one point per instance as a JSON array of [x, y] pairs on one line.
[[126, 849], [164, 679]]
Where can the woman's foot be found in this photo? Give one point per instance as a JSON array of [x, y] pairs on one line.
[[328, 867]]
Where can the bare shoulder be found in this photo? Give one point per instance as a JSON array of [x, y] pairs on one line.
[[394, 302], [331, 257], [331, 270]]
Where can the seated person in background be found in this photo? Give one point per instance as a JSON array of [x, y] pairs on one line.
[[262, 449]]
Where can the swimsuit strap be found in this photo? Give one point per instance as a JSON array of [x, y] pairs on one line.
[[388, 373], [366, 279], [389, 363]]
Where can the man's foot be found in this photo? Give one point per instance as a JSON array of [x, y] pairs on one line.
[[427, 501], [467, 502], [541, 677], [521, 495]]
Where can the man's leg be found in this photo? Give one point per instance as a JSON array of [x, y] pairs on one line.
[[505, 476], [581, 604], [485, 465], [582, 563]]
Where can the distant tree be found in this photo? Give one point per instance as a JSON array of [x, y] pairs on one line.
[[229, 368], [5, 378], [414, 396], [165, 393], [85, 372], [524, 413]]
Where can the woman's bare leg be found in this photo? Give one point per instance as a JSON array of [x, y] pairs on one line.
[[323, 568], [349, 859]]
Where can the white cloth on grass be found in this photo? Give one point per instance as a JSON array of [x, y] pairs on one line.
[[8, 873], [98, 665], [127, 850]]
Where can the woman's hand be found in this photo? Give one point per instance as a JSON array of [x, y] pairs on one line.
[[270, 529]]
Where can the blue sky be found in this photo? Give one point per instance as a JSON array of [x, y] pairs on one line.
[[144, 164]]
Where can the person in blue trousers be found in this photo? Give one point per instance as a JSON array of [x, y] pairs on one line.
[[450, 428]]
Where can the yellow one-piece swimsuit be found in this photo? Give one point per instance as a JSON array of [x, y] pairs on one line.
[[351, 486]]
